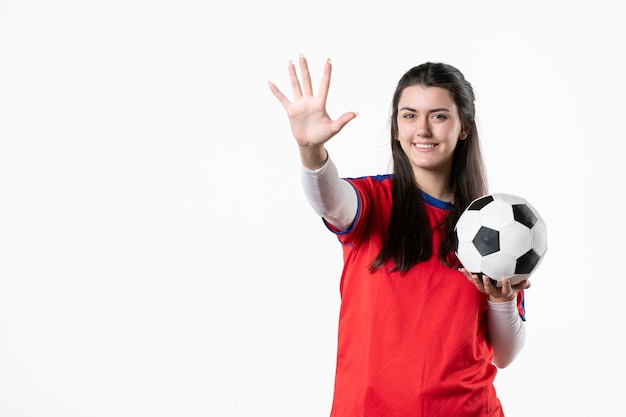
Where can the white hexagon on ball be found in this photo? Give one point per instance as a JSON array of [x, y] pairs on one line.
[[515, 239], [496, 214]]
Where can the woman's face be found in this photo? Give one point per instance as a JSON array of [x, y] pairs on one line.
[[429, 128]]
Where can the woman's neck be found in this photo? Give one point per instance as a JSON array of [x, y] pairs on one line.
[[436, 184]]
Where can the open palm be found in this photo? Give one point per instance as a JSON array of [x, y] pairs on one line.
[[310, 123]]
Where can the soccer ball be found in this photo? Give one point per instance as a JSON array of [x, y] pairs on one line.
[[501, 235]]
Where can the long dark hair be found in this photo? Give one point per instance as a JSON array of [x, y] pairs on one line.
[[409, 236]]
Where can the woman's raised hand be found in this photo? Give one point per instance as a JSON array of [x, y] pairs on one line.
[[310, 123]]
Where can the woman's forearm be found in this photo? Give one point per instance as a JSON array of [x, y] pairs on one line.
[[331, 197]]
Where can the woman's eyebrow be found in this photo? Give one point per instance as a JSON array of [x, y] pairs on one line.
[[430, 111]]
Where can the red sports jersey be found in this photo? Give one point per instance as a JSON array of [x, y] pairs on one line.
[[412, 344]]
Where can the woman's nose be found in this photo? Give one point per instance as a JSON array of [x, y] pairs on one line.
[[422, 127]]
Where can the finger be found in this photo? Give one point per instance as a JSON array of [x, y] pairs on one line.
[[507, 289], [510, 291], [325, 83], [279, 95], [477, 281], [522, 285], [306, 76], [474, 279], [295, 83], [488, 285]]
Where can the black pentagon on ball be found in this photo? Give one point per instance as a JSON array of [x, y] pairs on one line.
[[487, 241], [523, 214], [480, 202], [527, 262]]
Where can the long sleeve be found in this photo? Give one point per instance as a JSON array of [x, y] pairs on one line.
[[331, 197], [507, 332]]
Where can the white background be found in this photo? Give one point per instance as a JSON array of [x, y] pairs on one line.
[[157, 256]]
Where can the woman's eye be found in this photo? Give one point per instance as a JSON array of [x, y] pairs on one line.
[[438, 116], [409, 116]]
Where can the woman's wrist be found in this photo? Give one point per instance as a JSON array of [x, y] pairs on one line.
[[313, 158], [502, 299]]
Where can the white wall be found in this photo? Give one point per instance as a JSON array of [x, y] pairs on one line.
[[157, 257]]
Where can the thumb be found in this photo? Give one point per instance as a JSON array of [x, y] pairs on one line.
[[343, 120]]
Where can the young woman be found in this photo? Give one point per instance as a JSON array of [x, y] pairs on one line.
[[418, 335]]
